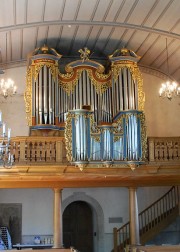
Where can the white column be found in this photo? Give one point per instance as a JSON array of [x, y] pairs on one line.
[[57, 218], [134, 220]]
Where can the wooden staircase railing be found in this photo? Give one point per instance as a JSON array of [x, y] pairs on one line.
[[151, 221]]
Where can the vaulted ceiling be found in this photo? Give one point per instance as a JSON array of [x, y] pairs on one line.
[[101, 25]]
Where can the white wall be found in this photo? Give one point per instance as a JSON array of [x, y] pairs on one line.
[[37, 205], [162, 115], [13, 108], [37, 209]]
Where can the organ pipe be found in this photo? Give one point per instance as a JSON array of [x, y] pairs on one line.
[[50, 98], [40, 97], [45, 79]]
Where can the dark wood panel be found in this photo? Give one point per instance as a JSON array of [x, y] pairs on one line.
[[78, 226]]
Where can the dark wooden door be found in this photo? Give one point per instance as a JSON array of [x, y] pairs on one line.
[[78, 226]]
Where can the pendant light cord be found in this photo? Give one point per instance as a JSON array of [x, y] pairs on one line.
[[167, 57]]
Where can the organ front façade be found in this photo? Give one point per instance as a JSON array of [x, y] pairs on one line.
[[99, 112]]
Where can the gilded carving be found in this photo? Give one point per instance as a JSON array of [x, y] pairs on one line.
[[69, 80], [116, 138], [95, 130], [37, 67], [84, 54], [143, 135], [68, 136], [28, 96], [100, 86]]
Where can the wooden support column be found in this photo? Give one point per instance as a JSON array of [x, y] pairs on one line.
[[57, 218], [134, 220]]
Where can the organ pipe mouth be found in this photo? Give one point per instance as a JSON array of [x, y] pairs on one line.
[[87, 107]]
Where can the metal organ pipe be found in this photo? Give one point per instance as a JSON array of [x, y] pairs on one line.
[[80, 92], [56, 97], [59, 103], [136, 94], [37, 100], [109, 103], [113, 97], [121, 91], [33, 97], [117, 97], [52, 107], [40, 97], [88, 90], [130, 104], [50, 97], [45, 93], [125, 88], [84, 88]]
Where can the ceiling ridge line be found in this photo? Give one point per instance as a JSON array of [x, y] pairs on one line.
[[95, 23]]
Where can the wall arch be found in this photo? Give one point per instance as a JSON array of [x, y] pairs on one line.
[[97, 210]]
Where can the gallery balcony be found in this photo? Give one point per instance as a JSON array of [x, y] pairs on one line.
[[41, 161]]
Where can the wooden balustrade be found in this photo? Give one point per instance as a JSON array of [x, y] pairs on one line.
[[52, 149], [149, 219], [38, 149], [164, 149]]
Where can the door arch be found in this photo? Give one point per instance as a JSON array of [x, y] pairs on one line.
[[98, 216], [78, 226]]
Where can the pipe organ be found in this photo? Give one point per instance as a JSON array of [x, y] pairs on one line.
[[100, 113]]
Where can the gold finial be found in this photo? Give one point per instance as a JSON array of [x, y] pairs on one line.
[[84, 53]]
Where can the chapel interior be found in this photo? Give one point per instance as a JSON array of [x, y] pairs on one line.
[[90, 125]]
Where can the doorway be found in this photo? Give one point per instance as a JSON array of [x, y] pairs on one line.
[[78, 226]]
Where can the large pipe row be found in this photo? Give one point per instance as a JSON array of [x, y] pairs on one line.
[[124, 92], [43, 105], [50, 100]]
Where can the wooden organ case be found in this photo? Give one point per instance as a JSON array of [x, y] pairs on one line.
[[99, 113]]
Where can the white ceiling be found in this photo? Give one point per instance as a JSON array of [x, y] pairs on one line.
[[101, 25]]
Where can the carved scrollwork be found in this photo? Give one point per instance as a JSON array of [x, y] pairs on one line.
[[143, 135], [68, 136], [69, 80], [37, 67], [28, 96]]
